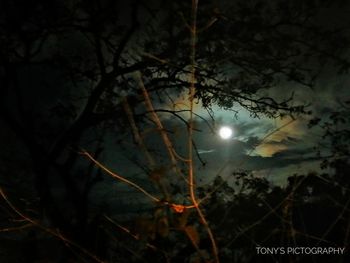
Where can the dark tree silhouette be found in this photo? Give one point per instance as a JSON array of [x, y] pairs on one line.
[[70, 78]]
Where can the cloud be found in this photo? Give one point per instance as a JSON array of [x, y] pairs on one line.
[[201, 151]]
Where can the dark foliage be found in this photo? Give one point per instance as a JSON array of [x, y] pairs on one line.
[[69, 69]]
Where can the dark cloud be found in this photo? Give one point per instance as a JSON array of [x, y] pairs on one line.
[[286, 141], [261, 163], [294, 153]]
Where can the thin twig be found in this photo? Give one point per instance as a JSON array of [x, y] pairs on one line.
[[120, 178], [126, 230], [142, 145], [174, 206], [136, 132], [192, 188], [54, 233], [168, 144], [17, 228]]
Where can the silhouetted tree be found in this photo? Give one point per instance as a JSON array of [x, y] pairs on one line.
[[70, 70]]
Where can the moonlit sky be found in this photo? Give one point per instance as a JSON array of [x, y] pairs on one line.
[[284, 152]]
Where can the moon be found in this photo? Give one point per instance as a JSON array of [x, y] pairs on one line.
[[225, 132]]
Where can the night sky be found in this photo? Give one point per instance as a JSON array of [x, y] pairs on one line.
[[71, 78]]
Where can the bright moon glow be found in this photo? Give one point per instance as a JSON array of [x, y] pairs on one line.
[[225, 132]]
